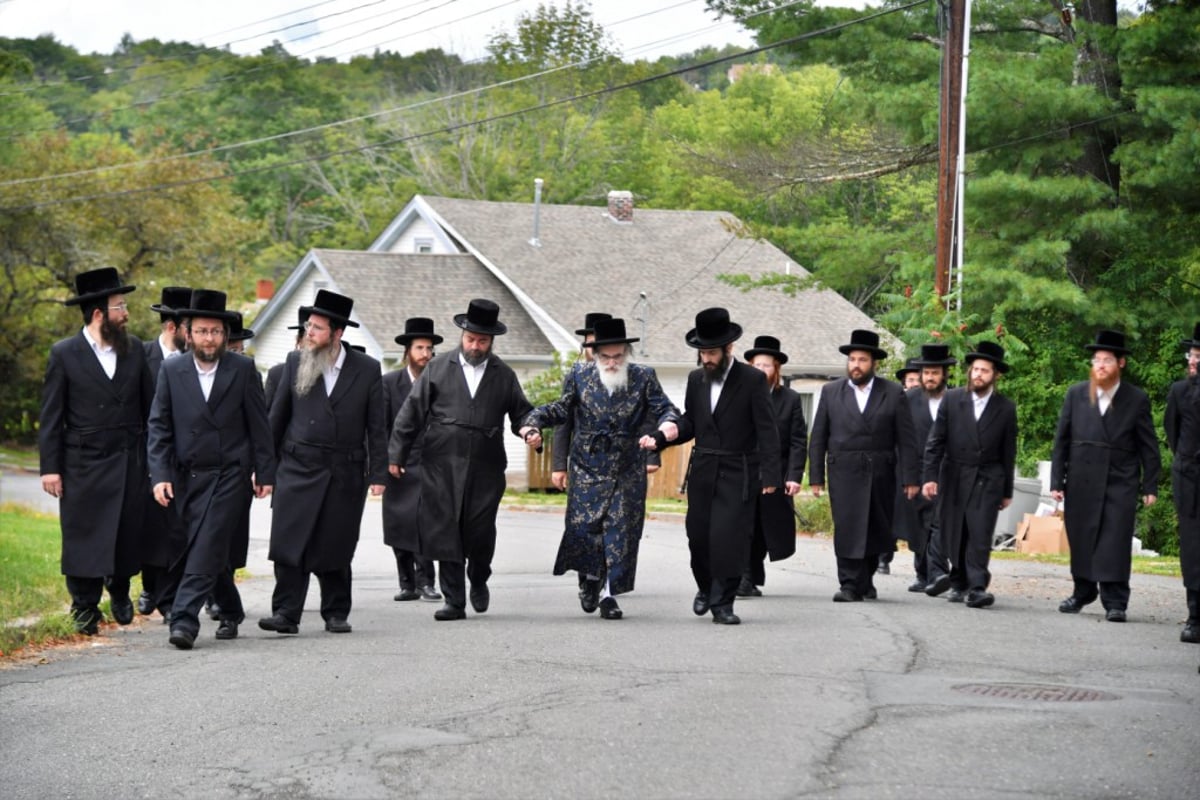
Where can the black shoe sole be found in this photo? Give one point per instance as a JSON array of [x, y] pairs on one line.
[[182, 641]]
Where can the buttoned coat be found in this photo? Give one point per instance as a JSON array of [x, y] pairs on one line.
[[1103, 464], [914, 517], [778, 511], [162, 531], [859, 456], [92, 433], [1182, 424], [401, 498], [736, 454], [331, 447], [973, 463], [208, 450], [462, 453]]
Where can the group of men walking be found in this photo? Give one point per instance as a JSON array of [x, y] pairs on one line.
[[124, 422]]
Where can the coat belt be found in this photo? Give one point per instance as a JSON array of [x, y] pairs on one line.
[[712, 451], [330, 452], [489, 432]]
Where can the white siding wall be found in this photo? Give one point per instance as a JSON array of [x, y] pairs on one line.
[[420, 229]]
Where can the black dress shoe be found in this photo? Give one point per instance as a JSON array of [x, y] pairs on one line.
[[480, 598], [227, 629], [448, 612], [589, 595], [1115, 615], [725, 616], [145, 604], [847, 596], [977, 598], [871, 593], [430, 593], [336, 625], [407, 594], [957, 596], [746, 588], [182, 639], [700, 604], [938, 586], [278, 624], [1191, 632], [87, 621], [1072, 605], [122, 609], [609, 609], [917, 586]]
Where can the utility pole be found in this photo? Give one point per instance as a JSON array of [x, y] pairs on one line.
[[952, 16]]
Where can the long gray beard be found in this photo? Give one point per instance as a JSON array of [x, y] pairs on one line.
[[614, 381], [312, 367]]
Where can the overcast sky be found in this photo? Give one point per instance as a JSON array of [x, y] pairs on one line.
[[340, 28]]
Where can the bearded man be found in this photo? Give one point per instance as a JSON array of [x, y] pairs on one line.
[[608, 401], [861, 427], [1182, 423], [327, 419], [1105, 456], [95, 400]]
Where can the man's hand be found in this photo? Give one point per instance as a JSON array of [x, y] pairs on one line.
[[52, 484], [558, 479], [376, 489], [929, 490], [817, 488], [262, 491], [648, 442], [791, 488], [1005, 503], [670, 430], [395, 470], [769, 489], [163, 493], [532, 436], [1149, 500], [910, 491], [652, 468], [1057, 494]]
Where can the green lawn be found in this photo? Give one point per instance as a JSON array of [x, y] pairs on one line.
[[33, 584], [1142, 565]]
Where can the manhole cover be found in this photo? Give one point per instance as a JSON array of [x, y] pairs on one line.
[[1033, 691]]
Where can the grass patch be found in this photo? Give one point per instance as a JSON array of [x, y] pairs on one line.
[[17, 457], [30, 546], [559, 500], [1167, 566]]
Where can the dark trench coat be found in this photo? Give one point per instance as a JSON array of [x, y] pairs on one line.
[[401, 498], [1182, 424]]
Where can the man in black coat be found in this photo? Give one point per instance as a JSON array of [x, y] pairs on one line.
[[1105, 456], [271, 381], [775, 526], [401, 499], [1182, 423], [970, 458], [458, 407], [162, 532], [727, 411], [328, 422], [95, 400], [208, 413], [909, 378], [862, 426]]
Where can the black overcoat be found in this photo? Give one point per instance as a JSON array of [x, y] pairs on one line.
[[208, 450], [914, 517], [777, 510], [162, 531], [972, 462], [331, 447], [92, 433], [462, 454], [1103, 464], [401, 499], [1182, 424], [859, 456], [271, 383], [736, 454]]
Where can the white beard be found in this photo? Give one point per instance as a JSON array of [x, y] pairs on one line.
[[615, 380], [312, 367]]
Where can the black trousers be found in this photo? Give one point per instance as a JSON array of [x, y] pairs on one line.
[[1112, 594], [291, 590], [413, 570], [87, 592], [453, 576], [194, 590], [857, 574], [970, 567], [756, 570], [930, 563]]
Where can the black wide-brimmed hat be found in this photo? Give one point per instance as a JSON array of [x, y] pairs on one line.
[[864, 340], [207, 303], [609, 331], [935, 355], [483, 316], [96, 284], [589, 322], [237, 330], [333, 306], [1188, 344], [1111, 341], [418, 328], [173, 297], [713, 329], [766, 346], [911, 365], [989, 351], [302, 316]]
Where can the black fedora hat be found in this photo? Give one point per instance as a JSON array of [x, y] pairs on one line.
[[96, 284], [1111, 341], [302, 316], [609, 331], [864, 340], [333, 306], [207, 303], [589, 322], [713, 329], [989, 351], [935, 355], [1188, 344], [173, 297], [910, 366], [766, 346], [418, 328], [237, 330], [483, 316]]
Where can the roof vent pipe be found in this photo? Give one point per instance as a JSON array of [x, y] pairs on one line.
[[537, 211]]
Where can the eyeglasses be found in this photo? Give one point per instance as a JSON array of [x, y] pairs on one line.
[[312, 326], [1103, 362], [204, 333], [120, 307]]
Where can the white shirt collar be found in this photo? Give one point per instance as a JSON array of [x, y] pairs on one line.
[[462, 359], [200, 366], [98, 346]]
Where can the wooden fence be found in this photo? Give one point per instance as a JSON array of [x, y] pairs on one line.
[[663, 484]]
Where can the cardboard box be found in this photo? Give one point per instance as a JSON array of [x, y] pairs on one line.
[[1042, 535]]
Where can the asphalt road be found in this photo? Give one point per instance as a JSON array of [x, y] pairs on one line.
[[904, 697]]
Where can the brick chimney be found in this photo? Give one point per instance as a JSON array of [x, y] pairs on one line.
[[620, 206], [264, 290]]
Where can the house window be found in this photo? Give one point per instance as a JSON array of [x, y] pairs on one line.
[[424, 246]]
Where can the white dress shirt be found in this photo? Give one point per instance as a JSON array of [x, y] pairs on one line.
[[104, 352], [162, 345], [1104, 398], [934, 404], [862, 394], [980, 403], [714, 388], [330, 373], [206, 376], [473, 374]]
